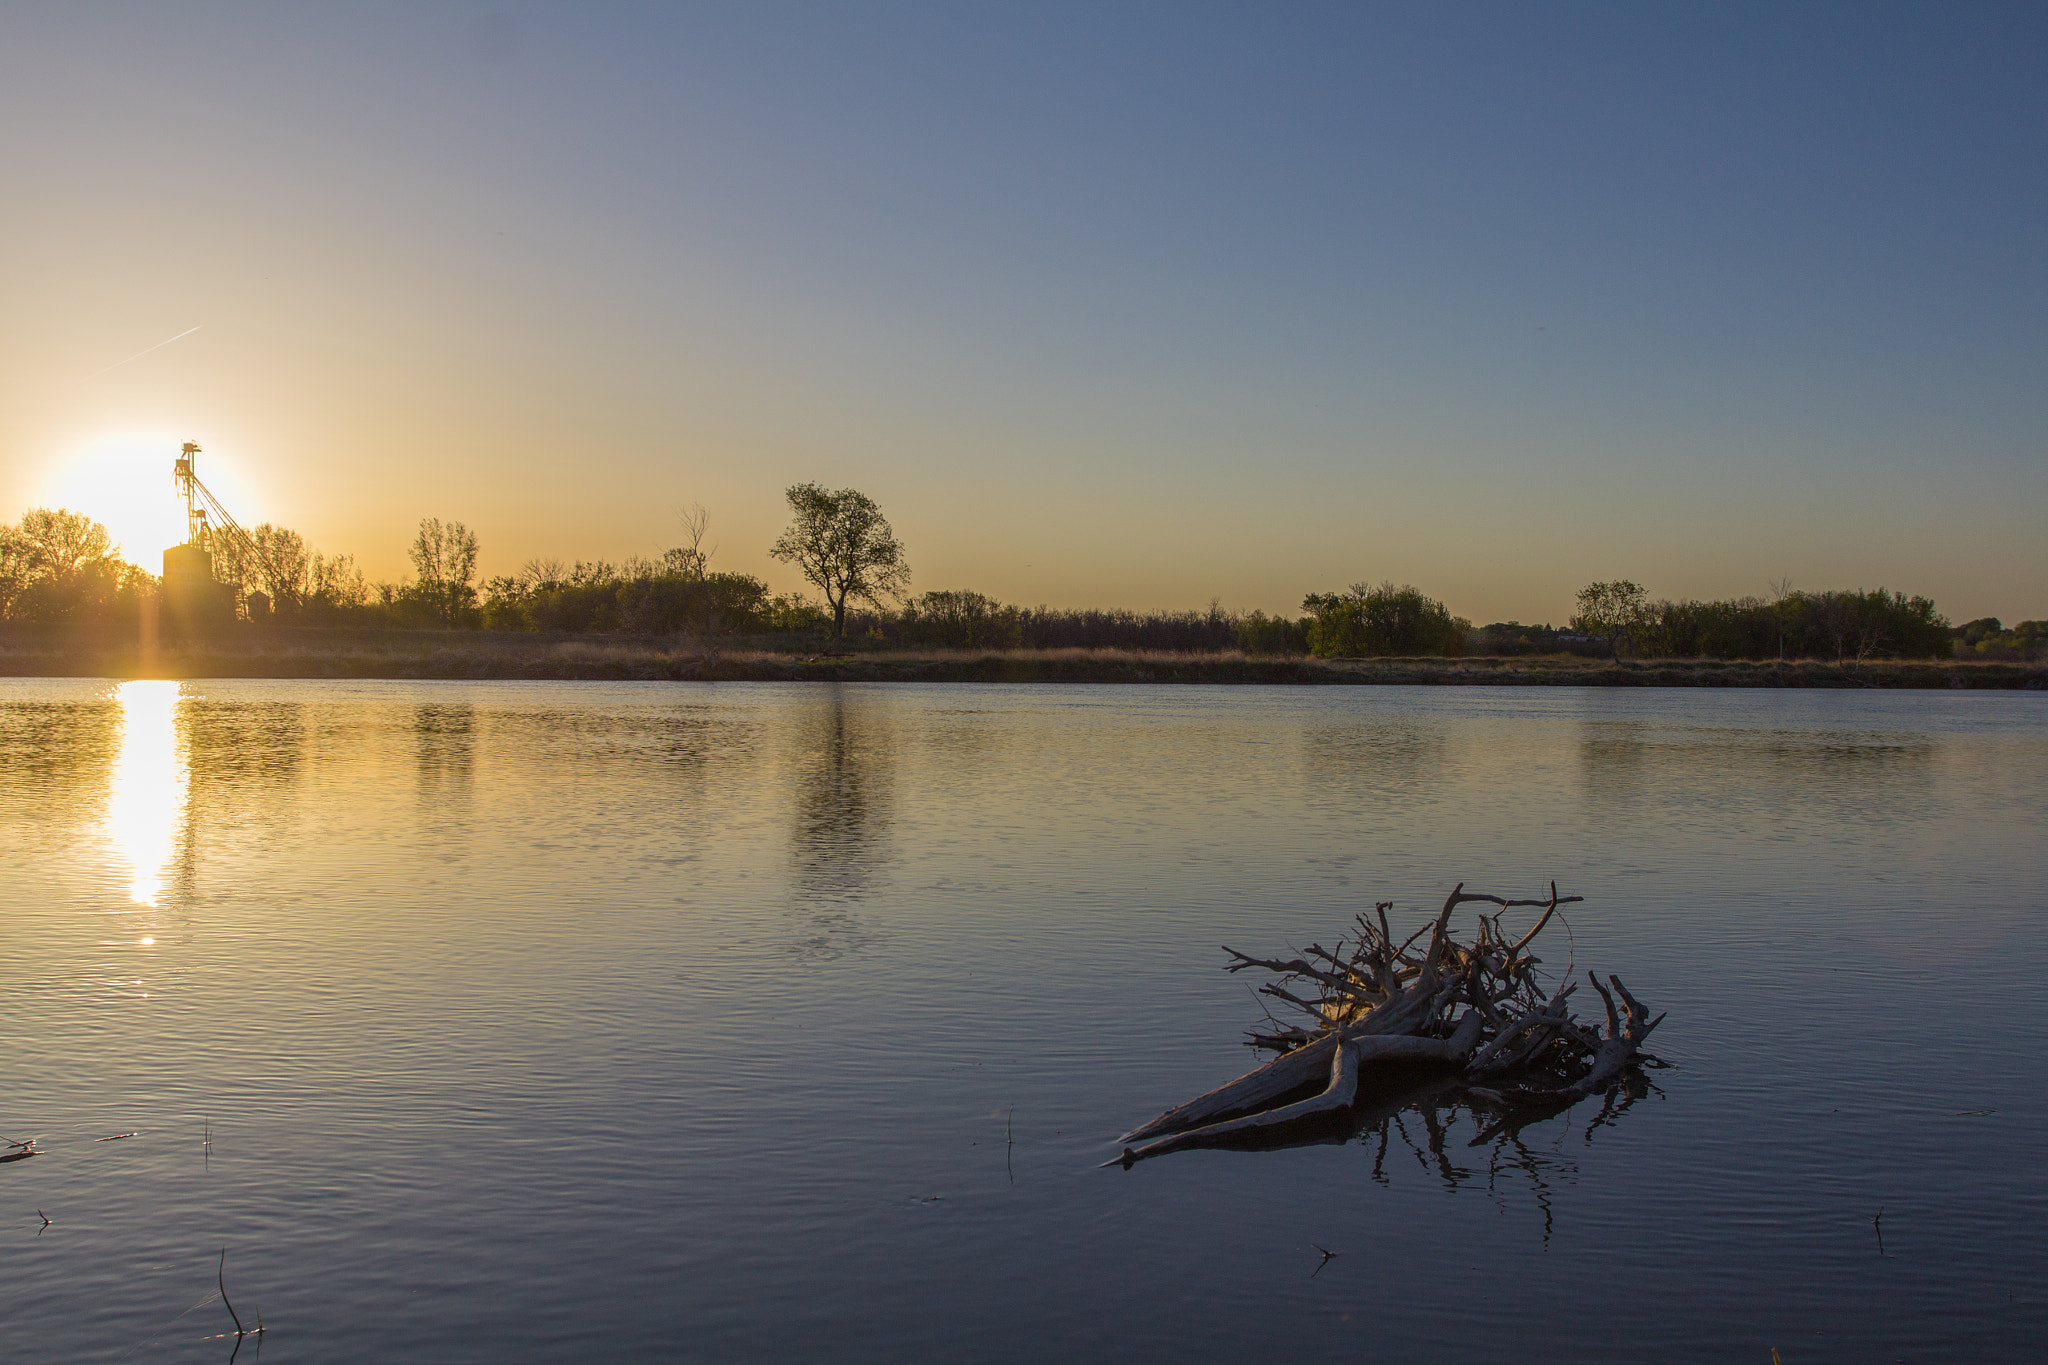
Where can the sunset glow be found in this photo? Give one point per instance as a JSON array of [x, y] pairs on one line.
[[1097, 325], [666, 668], [123, 481], [147, 800]]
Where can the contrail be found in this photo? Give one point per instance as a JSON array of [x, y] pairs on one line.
[[145, 351]]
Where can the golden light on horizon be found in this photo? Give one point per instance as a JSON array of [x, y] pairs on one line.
[[146, 799], [124, 482]]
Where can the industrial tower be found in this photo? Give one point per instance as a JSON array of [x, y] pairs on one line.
[[190, 588]]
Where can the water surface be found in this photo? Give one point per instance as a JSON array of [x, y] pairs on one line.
[[546, 1022]]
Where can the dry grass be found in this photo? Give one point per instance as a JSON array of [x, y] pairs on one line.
[[283, 653]]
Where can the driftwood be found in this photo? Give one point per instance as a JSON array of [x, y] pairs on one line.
[[1510, 1047]]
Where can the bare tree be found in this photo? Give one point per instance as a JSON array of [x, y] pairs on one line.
[[543, 573], [690, 559], [843, 544]]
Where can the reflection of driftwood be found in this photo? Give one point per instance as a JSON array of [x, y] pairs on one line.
[[1510, 1047]]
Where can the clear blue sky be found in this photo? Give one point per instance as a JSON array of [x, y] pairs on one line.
[[1135, 305]]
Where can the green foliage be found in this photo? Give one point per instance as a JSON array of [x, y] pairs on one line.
[[791, 613], [1838, 625], [1386, 620], [1873, 625], [841, 542], [1743, 628], [1987, 638], [1612, 612], [1258, 633], [1977, 631]]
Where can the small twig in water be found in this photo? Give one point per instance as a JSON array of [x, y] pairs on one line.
[[46, 1222], [207, 1159], [239, 1332], [1877, 1222], [116, 1137], [1009, 1143], [1328, 1256]]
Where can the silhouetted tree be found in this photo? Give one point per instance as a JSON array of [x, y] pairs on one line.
[[444, 557], [1379, 621], [842, 543], [690, 559], [1612, 612], [283, 567], [337, 584], [959, 619], [1258, 633], [64, 566]]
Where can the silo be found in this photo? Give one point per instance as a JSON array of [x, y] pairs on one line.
[[191, 597]]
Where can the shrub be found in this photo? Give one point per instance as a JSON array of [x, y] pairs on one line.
[[1380, 621], [1258, 633], [958, 619]]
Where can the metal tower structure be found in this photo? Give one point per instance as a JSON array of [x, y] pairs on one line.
[[193, 591], [206, 521]]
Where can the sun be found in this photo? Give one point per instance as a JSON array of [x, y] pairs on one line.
[[124, 482]]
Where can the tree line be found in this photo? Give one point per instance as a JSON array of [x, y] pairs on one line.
[[60, 566], [1839, 625], [64, 566]]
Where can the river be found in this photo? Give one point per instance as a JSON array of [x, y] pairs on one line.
[[521, 1022]]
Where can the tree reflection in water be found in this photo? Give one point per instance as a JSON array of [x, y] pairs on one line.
[[841, 806], [1503, 1147], [445, 736]]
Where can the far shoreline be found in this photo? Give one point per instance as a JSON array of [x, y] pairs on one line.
[[286, 653]]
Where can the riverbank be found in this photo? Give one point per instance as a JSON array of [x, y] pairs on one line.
[[279, 652]]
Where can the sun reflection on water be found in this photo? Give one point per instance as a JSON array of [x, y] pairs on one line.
[[147, 798]]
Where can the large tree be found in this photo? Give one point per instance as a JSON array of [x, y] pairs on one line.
[[284, 565], [1612, 612], [1380, 621], [843, 545], [444, 554], [60, 565]]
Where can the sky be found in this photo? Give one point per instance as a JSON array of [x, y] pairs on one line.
[[1132, 305]]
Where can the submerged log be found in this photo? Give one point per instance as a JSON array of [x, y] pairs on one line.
[[1387, 1003]]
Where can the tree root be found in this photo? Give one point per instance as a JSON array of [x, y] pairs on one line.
[[1385, 1003]]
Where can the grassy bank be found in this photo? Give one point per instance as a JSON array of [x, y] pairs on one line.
[[299, 653]]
